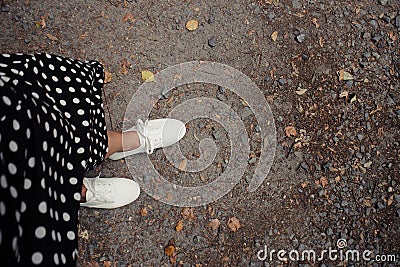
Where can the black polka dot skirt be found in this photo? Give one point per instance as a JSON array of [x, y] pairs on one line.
[[52, 130]]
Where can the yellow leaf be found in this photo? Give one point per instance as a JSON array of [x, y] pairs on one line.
[[344, 75], [192, 25], [107, 76], [179, 226], [274, 36], [301, 91], [147, 76], [324, 181], [169, 251], [143, 212]]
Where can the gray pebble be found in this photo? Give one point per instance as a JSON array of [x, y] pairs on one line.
[[335, 139], [326, 166], [296, 4], [344, 203], [383, 2], [300, 38], [374, 24], [211, 19], [271, 15], [360, 137], [220, 96], [282, 81], [252, 160], [258, 128], [5, 9], [304, 166], [397, 22], [366, 35], [212, 41]]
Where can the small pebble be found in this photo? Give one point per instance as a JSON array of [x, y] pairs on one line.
[[397, 23], [5, 9], [300, 38], [383, 2], [212, 41]]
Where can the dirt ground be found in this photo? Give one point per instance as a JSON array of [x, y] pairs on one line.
[[330, 73]]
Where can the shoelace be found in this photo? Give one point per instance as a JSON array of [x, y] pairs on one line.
[[150, 135], [103, 191]]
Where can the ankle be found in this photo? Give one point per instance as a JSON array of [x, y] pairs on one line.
[[130, 140]]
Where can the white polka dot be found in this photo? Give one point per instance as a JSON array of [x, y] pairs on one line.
[[71, 235], [85, 123], [56, 260], [71, 89], [77, 196], [81, 112], [70, 166], [51, 66], [67, 79], [73, 70], [48, 56], [81, 150], [13, 146], [31, 162], [28, 133], [27, 184], [43, 207], [35, 70], [12, 168], [55, 213], [16, 125], [66, 217], [67, 115], [76, 100], [62, 102], [63, 68], [13, 192], [17, 216], [44, 75], [73, 181], [58, 236], [37, 258], [53, 235], [44, 146], [3, 181], [78, 80], [54, 78], [2, 208], [63, 259], [62, 198], [6, 100], [40, 232], [23, 207], [41, 63]]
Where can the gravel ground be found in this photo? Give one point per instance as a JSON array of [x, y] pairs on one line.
[[330, 73]]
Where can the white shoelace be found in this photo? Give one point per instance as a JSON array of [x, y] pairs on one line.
[[150, 135], [102, 191]]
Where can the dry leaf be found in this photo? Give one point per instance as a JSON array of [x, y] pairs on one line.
[[51, 37], [274, 36], [321, 41], [214, 224], [367, 202], [107, 76], [41, 23], [390, 200], [144, 212], [170, 250], [192, 25], [182, 165], [188, 214], [290, 131], [234, 224], [323, 181], [314, 21], [179, 226], [301, 91], [147, 76], [107, 263], [344, 94], [125, 66], [304, 184], [344, 75], [128, 18]]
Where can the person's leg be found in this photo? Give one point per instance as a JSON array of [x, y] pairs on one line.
[[118, 142]]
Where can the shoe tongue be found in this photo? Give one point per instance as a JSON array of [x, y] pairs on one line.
[[142, 140]]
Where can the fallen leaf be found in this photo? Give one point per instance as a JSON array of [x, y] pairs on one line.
[[314, 21], [182, 165], [41, 23], [128, 18], [188, 214], [390, 200], [301, 91], [323, 181], [107, 76], [367, 164], [192, 25], [321, 41], [344, 94], [367, 202], [274, 36], [234, 224], [170, 250], [290, 131], [144, 212], [147, 76], [214, 224], [354, 98], [125, 66], [179, 226], [107, 263], [304, 185], [344, 75], [51, 37]]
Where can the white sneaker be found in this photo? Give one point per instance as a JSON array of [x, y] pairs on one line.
[[110, 193], [154, 134]]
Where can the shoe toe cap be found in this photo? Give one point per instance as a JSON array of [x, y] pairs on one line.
[[126, 191]]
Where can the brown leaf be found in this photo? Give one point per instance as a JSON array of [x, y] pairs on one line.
[[128, 18], [107, 76], [125, 66], [214, 224], [182, 165], [188, 214], [51, 37], [107, 263], [323, 181], [41, 23], [390, 200], [144, 212], [274, 36], [179, 226], [290, 131], [314, 21], [170, 250], [192, 25], [234, 224]]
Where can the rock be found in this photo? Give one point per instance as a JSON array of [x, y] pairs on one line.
[[212, 41], [397, 22], [296, 4], [300, 38], [282, 81], [304, 166], [374, 23], [5, 9], [211, 19], [383, 2], [252, 160], [220, 96], [326, 166], [270, 15]]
